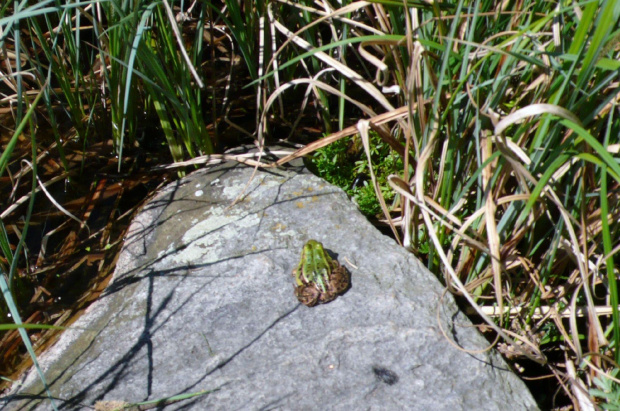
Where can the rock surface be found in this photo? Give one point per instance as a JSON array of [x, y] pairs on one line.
[[202, 299]]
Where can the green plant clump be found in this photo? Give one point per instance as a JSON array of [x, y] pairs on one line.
[[608, 391], [345, 165]]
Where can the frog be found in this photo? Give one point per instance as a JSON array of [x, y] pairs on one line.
[[319, 278]]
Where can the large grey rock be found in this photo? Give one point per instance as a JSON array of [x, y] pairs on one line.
[[202, 299]]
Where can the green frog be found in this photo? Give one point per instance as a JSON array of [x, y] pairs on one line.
[[319, 278]]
